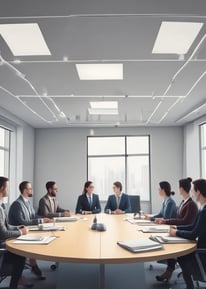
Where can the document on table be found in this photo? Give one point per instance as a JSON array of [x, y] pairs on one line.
[[46, 227], [155, 229], [140, 222], [67, 219], [141, 245], [169, 240], [24, 239]]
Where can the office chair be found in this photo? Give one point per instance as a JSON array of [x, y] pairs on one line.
[[5, 269], [199, 274], [135, 203]]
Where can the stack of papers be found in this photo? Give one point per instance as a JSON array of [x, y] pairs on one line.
[[141, 245], [46, 227], [24, 239], [169, 240], [140, 222], [67, 219], [155, 229]]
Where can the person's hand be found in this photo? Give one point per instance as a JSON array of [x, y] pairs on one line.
[[159, 221], [147, 217], [47, 220], [173, 227], [67, 214], [118, 211], [172, 232], [87, 212], [23, 230]]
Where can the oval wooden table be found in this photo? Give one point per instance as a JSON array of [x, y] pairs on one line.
[[79, 244]]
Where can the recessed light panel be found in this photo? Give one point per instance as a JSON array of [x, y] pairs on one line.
[[100, 71], [176, 37], [104, 104], [24, 39]]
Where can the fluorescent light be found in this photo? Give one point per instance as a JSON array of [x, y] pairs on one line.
[[103, 111], [176, 37], [100, 71], [24, 39], [192, 113], [104, 104]]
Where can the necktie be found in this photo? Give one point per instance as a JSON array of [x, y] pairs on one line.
[[118, 201], [52, 205], [90, 201], [29, 208], [3, 206]]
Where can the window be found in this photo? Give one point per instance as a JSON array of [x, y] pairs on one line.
[[120, 158], [4, 151], [203, 150]]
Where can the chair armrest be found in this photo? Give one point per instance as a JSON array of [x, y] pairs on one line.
[[200, 251]]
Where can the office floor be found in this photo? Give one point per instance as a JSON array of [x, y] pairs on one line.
[[151, 283]]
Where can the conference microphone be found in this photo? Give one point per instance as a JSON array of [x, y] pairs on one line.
[[98, 226]]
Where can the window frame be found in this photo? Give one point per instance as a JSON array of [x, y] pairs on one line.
[[202, 149]]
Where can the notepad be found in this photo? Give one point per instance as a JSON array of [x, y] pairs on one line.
[[46, 228], [141, 245], [67, 219], [155, 229], [140, 222], [169, 240], [24, 239]]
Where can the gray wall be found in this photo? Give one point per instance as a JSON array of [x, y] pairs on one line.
[[61, 155]]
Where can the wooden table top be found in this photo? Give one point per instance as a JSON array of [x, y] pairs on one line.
[[79, 244]]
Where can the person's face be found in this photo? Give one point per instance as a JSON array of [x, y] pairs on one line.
[[90, 189], [4, 191], [196, 194], [28, 191], [180, 190], [161, 192], [116, 190], [53, 191]]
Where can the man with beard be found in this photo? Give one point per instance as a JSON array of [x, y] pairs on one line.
[[21, 212], [48, 205]]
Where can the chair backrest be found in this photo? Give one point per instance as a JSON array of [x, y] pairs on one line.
[[135, 203], [200, 270]]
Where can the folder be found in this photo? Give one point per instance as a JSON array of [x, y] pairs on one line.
[[24, 239], [155, 229], [141, 245], [169, 240]]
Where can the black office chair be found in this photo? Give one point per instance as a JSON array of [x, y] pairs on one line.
[[5, 269], [135, 203], [199, 274]]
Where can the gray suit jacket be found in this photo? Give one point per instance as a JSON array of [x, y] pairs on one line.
[[45, 209], [6, 231], [19, 214]]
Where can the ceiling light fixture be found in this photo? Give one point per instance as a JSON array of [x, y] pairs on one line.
[[196, 110]]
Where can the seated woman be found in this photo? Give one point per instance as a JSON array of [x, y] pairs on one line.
[[195, 231], [118, 203], [168, 209], [88, 202], [186, 214]]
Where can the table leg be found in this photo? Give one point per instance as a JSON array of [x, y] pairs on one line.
[[101, 276]]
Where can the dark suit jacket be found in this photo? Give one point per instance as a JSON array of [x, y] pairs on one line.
[[6, 231], [20, 215], [186, 215], [45, 209], [83, 204], [196, 230], [124, 204]]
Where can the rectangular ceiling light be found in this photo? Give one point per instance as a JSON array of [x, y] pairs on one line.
[[24, 39], [100, 71], [103, 107], [176, 37], [104, 104]]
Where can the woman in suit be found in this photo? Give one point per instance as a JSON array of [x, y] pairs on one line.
[[186, 214], [168, 209], [195, 231], [88, 202], [118, 203]]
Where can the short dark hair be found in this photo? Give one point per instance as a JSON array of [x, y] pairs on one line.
[[23, 186], [166, 187], [86, 185], [118, 185], [200, 185], [3, 181], [50, 184], [185, 184]]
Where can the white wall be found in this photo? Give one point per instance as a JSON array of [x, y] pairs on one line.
[[61, 155], [192, 165]]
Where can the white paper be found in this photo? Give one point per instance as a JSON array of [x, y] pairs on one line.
[[31, 240]]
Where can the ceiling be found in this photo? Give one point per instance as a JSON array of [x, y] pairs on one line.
[[45, 91]]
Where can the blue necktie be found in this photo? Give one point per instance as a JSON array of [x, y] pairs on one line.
[[90, 201]]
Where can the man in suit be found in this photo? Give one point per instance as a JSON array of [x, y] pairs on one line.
[[48, 205], [88, 202], [22, 212], [195, 231], [7, 231], [118, 203]]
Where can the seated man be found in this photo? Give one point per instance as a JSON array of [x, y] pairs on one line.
[[118, 203], [22, 212], [7, 231], [48, 205]]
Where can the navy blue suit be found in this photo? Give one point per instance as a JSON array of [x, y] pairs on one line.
[[188, 262], [124, 204], [83, 204]]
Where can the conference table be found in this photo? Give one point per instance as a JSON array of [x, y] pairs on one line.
[[81, 245]]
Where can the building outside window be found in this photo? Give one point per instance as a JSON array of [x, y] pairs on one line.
[[120, 158]]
